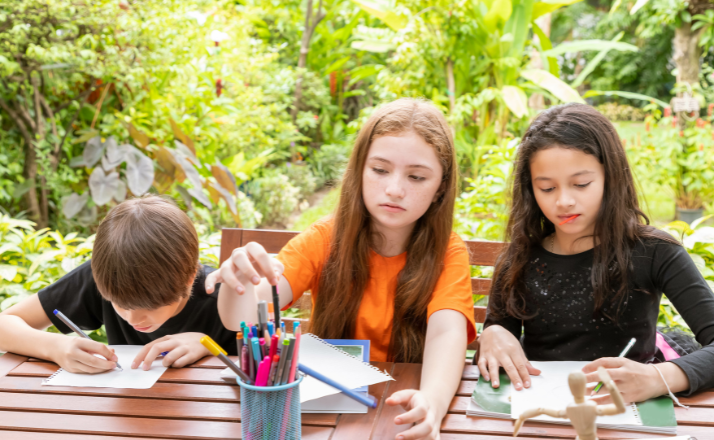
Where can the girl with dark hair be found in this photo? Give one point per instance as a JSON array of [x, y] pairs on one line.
[[387, 266], [584, 272]]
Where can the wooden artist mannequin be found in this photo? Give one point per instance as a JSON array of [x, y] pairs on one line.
[[582, 413]]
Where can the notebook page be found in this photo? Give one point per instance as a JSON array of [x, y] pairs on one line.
[[137, 379], [335, 364], [551, 390]]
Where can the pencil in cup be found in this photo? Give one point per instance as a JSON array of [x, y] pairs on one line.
[[271, 413], [220, 353]]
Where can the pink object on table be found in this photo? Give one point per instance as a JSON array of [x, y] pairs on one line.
[[667, 351]]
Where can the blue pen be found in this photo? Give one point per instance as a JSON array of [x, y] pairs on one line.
[[271, 329], [76, 329], [255, 345], [282, 326], [367, 399], [295, 326], [254, 330]]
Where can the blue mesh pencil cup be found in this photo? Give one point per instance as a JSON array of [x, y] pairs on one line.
[[270, 413]]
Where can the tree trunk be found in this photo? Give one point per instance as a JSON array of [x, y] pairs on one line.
[[450, 83], [310, 25], [687, 54], [29, 172]]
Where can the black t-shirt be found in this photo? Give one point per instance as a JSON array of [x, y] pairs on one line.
[[565, 326], [76, 295]]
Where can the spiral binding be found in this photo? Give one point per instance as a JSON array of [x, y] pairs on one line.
[[344, 353], [49, 379], [636, 411]]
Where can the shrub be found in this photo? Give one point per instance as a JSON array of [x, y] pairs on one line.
[[275, 198], [328, 163], [301, 178], [620, 112]]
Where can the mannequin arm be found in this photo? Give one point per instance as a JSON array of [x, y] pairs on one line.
[[535, 412]]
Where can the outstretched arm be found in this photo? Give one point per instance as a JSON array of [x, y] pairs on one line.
[[535, 412]]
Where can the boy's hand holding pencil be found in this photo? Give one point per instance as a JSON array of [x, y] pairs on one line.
[[77, 355]]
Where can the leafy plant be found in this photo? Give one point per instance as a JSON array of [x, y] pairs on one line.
[[275, 197], [698, 240]]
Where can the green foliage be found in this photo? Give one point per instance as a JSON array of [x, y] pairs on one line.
[[482, 209], [699, 242], [328, 163], [300, 176], [326, 207], [276, 198], [621, 112]]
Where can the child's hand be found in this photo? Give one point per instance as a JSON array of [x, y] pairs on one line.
[[77, 355], [246, 264], [637, 382], [499, 348], [419, 411], [183, 348]]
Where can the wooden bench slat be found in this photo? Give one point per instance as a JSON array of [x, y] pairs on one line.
[[153, 408], [173, 391], [9, 362], [480, 286], [360, 426], [136, 427], [484, 253], [25, 435]]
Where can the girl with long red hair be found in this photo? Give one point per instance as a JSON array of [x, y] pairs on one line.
[[386, 266]]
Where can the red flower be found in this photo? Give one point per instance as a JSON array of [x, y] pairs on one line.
[[667, 112], [701, 147], [219, 87], [674, 122], [317, 117], [710, 110], [647, 126], [681, 133], [700, 123]]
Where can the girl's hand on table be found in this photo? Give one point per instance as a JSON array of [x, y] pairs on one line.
[[637, 382], [247, 264], [499, 348], [183, 349], [419, 412], [77, 355]]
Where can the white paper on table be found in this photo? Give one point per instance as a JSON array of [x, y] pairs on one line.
[[334, 363], [137, 379], [551, 390]]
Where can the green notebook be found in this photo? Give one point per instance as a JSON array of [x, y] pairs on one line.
[[656, 415]]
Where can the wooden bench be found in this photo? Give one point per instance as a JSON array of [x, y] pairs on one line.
[[481, 253]]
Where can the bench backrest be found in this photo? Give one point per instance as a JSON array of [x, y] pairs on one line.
[[481, 253]]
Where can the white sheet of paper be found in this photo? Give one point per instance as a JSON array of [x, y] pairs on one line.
[[551, 390], [138, 378], [335, 364]]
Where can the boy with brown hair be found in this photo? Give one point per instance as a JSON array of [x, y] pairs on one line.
[[144, 284]]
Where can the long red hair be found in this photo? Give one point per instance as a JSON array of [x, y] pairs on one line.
[[346, 271]]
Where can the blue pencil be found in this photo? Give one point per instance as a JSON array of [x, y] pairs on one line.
[[368, 400]]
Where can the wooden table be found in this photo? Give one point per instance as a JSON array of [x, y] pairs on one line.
[[194, 403]]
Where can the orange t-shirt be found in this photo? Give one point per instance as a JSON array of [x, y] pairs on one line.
[[305, 255]]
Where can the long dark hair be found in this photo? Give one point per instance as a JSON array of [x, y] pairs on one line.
[[619, 225], [346, 271]]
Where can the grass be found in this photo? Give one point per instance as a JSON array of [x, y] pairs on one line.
[[315, 213]]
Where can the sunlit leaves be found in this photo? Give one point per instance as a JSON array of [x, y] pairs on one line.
[[73, 204], [103, 186], [93, 151], [555, 86], [139, 173], [516, 100]]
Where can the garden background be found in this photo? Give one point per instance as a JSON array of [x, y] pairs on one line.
[[244, 111]]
